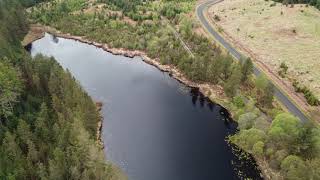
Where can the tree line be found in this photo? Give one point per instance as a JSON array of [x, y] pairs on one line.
[[264, 130], [289, 146], [47, 121], [315, 3], [210, 64]]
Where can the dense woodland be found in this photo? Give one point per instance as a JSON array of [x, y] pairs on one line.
[[47, 122], [48, 130], [155, 38], [290, 148]]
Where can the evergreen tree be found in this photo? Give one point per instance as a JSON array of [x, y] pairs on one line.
[[246, 69], [232, 84], [264, 91]]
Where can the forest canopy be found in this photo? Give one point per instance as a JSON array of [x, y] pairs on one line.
[[48, 122], [44, 112]]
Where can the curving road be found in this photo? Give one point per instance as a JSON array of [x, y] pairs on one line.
[[279, 94]]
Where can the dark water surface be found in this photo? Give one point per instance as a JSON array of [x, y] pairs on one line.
[[154, 128]]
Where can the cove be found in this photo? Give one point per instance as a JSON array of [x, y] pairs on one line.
[[154, 127]]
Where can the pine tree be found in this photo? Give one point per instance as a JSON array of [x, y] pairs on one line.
[[264, 91], [246, 69], [232, 84]]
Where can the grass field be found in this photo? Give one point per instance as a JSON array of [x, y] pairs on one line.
[[275, 33]]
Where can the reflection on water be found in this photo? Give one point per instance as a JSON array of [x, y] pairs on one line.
[[154, 128], [55, 39], [198, 98]]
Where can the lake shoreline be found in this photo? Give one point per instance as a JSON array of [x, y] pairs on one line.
[[213, 92]]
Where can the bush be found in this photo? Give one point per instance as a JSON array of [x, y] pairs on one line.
[[238, 101], [246, 120], [216, 18], [220, 29], [246, 139], [258, 149], [294, 167], [284, 67], [261, 123], [239, 113], [273, 4], [310, 97]]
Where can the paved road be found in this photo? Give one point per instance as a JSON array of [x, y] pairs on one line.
[[277, 92]]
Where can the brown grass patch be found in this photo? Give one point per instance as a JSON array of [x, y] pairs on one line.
[[275, 34]]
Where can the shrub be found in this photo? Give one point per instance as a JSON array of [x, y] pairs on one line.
[[294, 31], [262, 123], [246, 120], [258, 149], [246, 139], [238, 101], [284, 67], [310, 97], [273, 4], [216, 18], [239, 113]]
